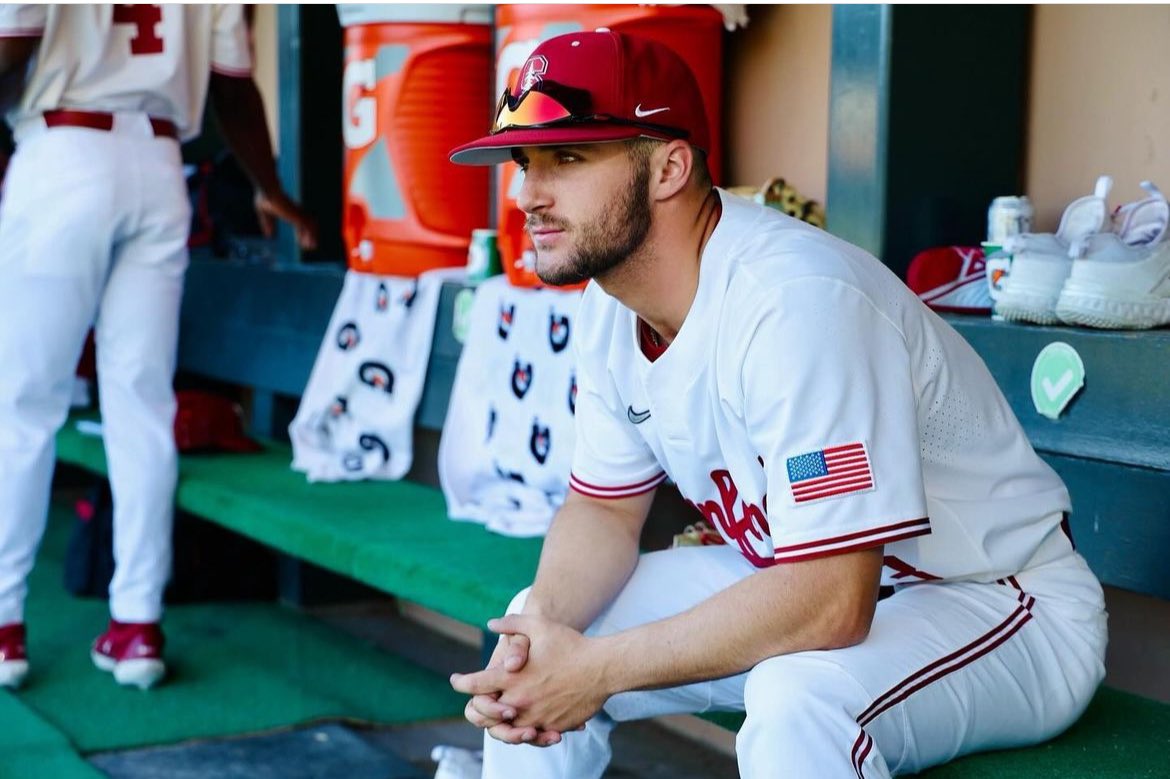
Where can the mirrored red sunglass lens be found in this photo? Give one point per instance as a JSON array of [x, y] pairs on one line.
[[535, 108]]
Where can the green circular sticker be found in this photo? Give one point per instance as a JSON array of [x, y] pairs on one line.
[[1057, 376], [461, 317]]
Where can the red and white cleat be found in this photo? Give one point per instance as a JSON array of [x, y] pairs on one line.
[[13, 658], [132, 651]]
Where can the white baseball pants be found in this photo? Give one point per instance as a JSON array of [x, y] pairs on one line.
[[93, 230], [947, 669]]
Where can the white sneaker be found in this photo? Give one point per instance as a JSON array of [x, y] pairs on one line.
[[457, 763], [1121, 280], [1040, 263]]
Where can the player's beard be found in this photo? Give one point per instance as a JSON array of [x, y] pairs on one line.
[[609, 240]]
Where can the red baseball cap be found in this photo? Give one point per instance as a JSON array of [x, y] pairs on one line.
[[208, 422], [592, 87]]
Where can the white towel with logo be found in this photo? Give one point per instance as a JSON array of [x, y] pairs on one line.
[[507, 443], [356, 418]]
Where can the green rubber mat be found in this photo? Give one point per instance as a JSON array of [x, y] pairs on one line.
[[235, 668], [393, 536], [33, 748]]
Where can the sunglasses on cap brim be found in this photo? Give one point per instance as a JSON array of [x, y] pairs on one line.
[[548, 104]]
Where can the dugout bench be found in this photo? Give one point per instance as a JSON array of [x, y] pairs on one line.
[[249, 325]]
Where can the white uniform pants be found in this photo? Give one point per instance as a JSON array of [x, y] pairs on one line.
[[93, 230], [947, 669]]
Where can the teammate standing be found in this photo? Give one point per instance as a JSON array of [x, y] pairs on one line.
[[93, 230], [838, 434]]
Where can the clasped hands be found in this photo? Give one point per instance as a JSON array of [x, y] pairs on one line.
[[543, 680]]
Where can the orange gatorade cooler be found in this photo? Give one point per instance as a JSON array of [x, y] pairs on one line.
[[695, 32], [417, 83]]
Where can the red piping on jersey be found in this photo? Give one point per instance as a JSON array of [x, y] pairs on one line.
[[232, 72], [904, 569], [859, 753], [864, 538], [611, 493], [860, 545], [1010, 581], [23, 32], [650, 342], [951, 663]]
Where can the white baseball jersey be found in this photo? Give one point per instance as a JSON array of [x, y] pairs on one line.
[[154, 59], [811, 405]]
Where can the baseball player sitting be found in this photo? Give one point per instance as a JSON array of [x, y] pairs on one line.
[[93, 227], [838, 434]]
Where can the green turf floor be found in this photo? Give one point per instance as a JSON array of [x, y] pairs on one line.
[[391, 535], [235, 668], [31, 747]]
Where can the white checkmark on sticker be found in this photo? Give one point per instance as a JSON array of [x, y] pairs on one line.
[[1053, 391], [1057, 376]]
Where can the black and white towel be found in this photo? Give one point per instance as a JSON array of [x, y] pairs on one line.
[[507, 443], [356, 417]]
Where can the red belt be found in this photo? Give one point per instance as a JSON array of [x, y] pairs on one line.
[[100, 120]]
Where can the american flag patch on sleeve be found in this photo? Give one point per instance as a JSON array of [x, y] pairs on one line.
[[827, 473]]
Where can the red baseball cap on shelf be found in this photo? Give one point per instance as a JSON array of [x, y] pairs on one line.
[[208, 422], [592, 87]]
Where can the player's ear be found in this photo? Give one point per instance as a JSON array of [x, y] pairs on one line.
[[671, 169]]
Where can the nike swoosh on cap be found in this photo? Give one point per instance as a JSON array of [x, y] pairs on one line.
[[638, 112], [637, 417]]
